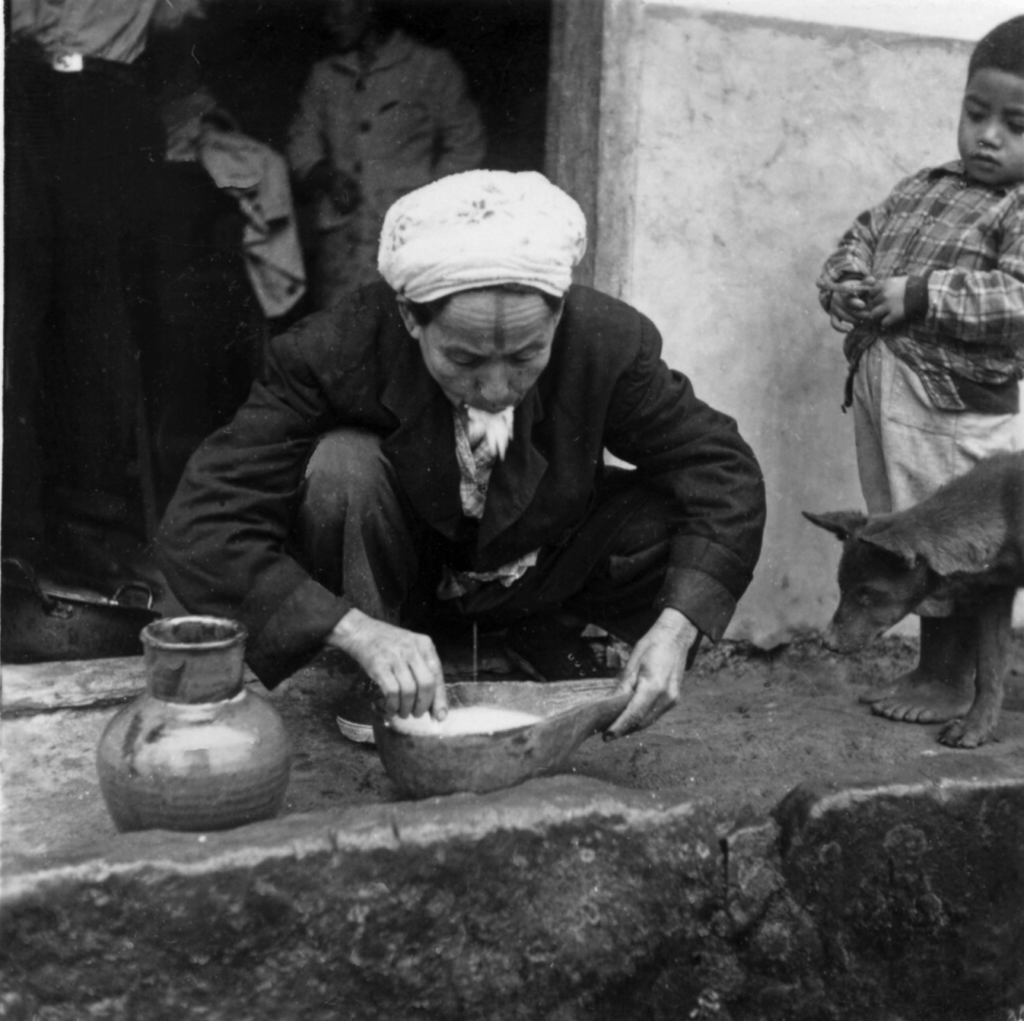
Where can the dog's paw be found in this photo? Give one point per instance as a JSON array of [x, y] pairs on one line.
[[966, 733]]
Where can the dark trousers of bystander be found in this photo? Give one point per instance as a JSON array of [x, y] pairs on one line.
[[81, 152]]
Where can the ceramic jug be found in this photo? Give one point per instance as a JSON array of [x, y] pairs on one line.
[[197, 750]]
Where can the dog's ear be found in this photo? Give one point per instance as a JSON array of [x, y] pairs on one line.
[[970, 549], [844, 524], [898, 542]]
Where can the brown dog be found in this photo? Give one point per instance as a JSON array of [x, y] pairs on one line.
[[965, 542]]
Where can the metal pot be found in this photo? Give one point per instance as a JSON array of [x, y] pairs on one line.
[[38, 626]]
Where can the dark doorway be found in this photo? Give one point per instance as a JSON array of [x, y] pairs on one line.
[[503, 45], [196, 323], [254, 58]]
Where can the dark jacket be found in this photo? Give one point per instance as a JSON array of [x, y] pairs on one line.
[[224, 539]]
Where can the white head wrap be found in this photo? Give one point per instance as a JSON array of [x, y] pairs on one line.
[[482, 228]]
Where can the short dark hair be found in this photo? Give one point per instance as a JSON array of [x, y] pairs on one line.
[[1002, 49], [425, 312]]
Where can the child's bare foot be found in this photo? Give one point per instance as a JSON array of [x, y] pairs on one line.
[[941, 687], [918, 698]]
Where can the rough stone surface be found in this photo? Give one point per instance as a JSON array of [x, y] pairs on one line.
[[506, 906], [768, 851], [916, 890]]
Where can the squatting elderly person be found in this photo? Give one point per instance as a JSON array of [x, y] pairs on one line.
[[433, 450]]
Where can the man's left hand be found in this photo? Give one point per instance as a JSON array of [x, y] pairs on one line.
[[654, 672]]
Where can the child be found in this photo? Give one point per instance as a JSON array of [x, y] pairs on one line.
[[929, 288]]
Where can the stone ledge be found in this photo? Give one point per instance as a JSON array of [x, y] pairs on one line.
[[508, 905], [746, 896], [564, 898]]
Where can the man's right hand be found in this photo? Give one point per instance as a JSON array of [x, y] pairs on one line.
[[404, 664]]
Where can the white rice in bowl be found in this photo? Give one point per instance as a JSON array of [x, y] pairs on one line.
[[477, 719]]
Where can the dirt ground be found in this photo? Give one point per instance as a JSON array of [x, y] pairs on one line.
[[750, 726]]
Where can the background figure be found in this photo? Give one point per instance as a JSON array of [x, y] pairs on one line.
[[82, 144], [381, 117]]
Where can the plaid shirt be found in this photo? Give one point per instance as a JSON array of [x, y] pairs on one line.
[[964, 242]]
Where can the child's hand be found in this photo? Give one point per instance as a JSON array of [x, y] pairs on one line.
[[847, 306], [888, 301]]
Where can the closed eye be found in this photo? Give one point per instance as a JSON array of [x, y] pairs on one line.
[[466, 361]]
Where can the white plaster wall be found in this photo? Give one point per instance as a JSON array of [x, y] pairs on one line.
[[948, 19], [735, 153]]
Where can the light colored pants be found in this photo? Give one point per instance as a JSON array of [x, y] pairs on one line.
[[906, 448]]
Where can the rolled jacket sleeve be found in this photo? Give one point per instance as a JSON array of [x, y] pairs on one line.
[[694, 454]]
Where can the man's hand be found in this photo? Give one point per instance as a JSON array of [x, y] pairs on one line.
[[654, 672], [405, 665], [888, 301], [848, 307]]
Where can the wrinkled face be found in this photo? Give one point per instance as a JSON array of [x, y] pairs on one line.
[[991, 133], [487, 347], [348, 21]]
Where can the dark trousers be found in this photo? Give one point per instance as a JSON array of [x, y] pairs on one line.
[[81, 151], [358, 535]]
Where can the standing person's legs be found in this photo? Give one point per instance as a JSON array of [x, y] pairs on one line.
[[31, 131], [111, 136], [920, 449], [888, 484]]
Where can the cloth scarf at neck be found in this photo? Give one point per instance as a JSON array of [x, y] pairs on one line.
[[494, 430]]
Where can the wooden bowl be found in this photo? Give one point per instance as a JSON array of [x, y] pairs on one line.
[[422, 765]]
